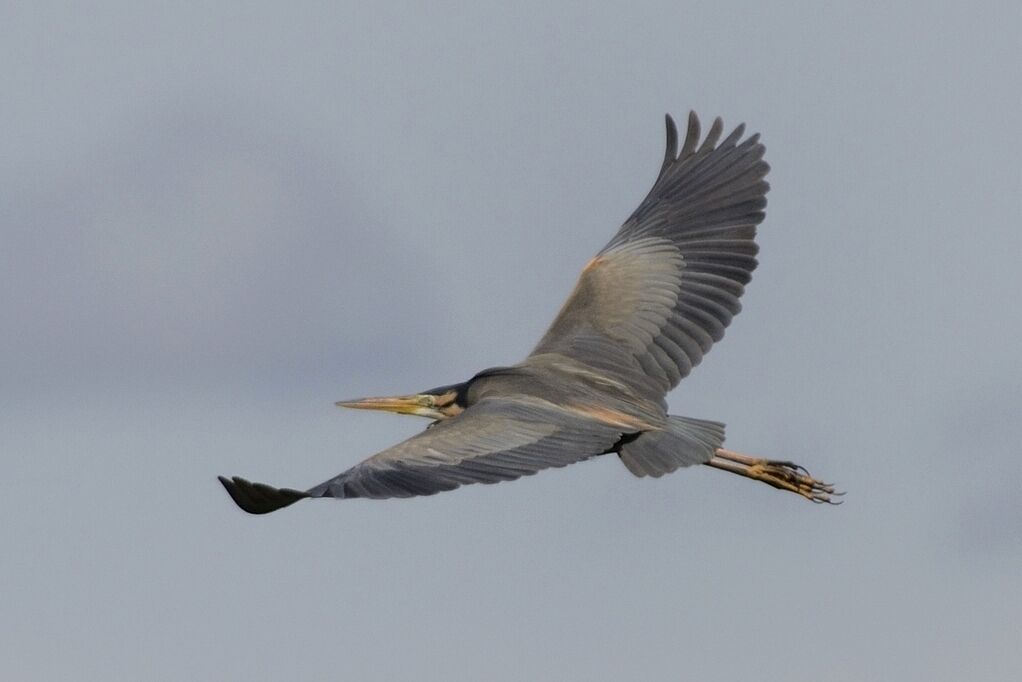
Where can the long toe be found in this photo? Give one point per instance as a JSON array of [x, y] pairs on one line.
[[794, 478]]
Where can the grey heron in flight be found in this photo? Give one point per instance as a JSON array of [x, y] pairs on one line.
[[644, 312]]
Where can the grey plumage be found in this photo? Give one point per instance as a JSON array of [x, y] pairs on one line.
[[667, 284], [645, 311]]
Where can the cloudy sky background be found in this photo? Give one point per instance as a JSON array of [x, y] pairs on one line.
[[218, 221]]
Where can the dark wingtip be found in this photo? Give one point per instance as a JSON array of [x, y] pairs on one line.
[[713, 136], [259, 498], [688, 147], [671, 153]]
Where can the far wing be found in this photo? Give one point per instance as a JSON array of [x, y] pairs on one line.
[[655, 299], [497, 439]]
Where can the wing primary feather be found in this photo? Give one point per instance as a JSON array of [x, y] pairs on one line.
[[710, 170], [671, 152], [712, 136], [691, 136], [736, 134]]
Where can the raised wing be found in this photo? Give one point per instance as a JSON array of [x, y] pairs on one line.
[[655, 299], [497, 439]]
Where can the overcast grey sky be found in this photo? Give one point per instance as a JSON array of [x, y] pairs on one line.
[[218, 221]]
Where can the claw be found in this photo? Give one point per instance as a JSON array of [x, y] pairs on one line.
[[780, 474], [793, 478]]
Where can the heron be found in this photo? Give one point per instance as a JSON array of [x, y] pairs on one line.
[[643, 313]]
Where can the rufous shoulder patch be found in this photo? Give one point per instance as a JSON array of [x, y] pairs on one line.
[[594, 262], [611, 417]]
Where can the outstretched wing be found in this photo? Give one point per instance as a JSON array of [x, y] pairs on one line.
[[497, 439], [655, 299]]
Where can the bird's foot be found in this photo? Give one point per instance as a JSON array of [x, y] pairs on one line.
[[792, 477], [779, 474]]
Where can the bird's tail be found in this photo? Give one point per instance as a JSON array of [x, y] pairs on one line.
[[682, 442]]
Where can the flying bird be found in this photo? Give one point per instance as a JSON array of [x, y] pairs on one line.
[[644, 312]]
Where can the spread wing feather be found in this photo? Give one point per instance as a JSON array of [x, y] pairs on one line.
[[494, 440], [655, 299]]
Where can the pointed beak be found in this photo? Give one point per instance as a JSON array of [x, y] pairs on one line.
[[403, 404]]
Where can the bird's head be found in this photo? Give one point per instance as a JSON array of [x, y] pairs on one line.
[[437, 403]]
